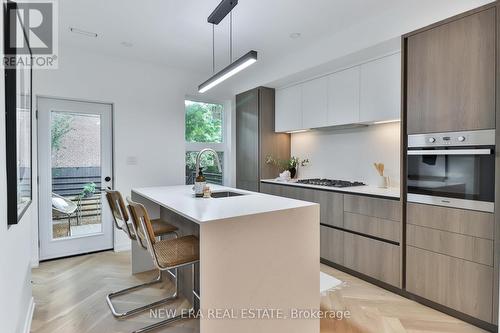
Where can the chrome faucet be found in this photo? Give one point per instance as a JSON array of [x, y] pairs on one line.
[[198, 159]]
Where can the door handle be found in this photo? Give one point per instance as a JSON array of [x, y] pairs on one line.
[[451, 152], [107, 179]]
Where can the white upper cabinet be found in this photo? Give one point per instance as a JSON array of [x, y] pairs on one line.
[[288, 113], [381, 89], [343, 97], [315, 103], [366, 94]]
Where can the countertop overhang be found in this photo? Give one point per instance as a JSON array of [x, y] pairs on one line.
[[391, 192], [182, 201]]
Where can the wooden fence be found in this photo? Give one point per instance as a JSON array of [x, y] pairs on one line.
[[69, 183]]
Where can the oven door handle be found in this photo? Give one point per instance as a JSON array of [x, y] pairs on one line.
[[451, 152]]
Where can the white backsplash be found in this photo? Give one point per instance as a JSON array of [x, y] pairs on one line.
[[349, 154]]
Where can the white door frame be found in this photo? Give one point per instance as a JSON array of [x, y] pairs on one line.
[[83, 245]]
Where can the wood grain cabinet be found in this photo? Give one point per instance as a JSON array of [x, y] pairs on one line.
[[373, 226], [332, 245], [451, 75], [374, 249], [375, 207], [376, 259], [478, 250], [256, 138], [358, 232], [450, 256], [331, 203], [458, 284], [460, 221], [271, 189]]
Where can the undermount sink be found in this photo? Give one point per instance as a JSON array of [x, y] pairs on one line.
[[225, 194]]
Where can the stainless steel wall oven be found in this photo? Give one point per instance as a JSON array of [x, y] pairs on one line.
[[455, 169]]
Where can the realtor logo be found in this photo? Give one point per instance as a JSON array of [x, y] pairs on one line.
[[31, 33]]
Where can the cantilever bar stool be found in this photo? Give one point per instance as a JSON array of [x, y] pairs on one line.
[[167, 254], [160, 228]]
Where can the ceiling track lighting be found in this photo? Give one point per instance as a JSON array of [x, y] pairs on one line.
[[220, 12]]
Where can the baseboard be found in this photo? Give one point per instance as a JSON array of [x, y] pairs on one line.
[[122, 247], [29, 316]]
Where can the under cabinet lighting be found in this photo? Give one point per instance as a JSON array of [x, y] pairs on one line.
[[387, 121], [233, 68], [298, 131]]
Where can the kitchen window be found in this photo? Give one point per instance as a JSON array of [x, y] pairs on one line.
[[204, 128]]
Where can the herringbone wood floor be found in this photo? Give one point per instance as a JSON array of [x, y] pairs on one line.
[[70, 298]]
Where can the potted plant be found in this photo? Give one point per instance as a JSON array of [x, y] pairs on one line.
[[88, 190], [291, 164]]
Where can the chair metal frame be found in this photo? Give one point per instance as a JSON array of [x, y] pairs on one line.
[[195, 294], [156, 280], [68, 214]]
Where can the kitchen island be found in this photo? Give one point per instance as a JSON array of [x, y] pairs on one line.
[[259, 257]]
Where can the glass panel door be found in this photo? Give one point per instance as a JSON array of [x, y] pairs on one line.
[[76, 174], [75, 149]]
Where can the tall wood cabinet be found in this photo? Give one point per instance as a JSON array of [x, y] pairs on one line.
[[450, 84], [451, 75], [256, 138]]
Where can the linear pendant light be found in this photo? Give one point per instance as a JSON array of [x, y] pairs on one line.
[[224, 8], [233, 68]]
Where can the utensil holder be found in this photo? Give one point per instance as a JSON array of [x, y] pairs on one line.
[[383, 182]]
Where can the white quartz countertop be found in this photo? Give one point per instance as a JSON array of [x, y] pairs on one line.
[[391, 192], [181, 200]]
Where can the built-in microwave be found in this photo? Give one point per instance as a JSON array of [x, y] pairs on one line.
[[454, 169]]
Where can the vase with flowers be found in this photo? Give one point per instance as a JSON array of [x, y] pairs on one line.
[[291, 165]]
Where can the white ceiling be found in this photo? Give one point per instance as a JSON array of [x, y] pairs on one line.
[[176, 33]]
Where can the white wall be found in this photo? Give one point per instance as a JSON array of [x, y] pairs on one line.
[[148, 113], [15, 244], [349, 154]]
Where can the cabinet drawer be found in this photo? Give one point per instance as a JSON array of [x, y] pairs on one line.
[[373, 226], [331, 203], [376, 259], [470, 248], [269, 189], [466, 222], [458, 284], [331, 206], [281, 190], [381, 208], [332, 245]]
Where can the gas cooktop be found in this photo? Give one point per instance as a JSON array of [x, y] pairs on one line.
[[330, 182]]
